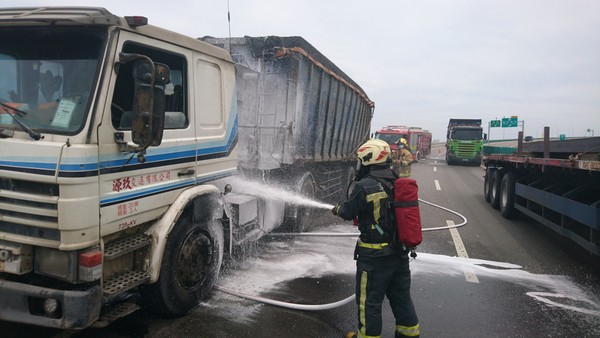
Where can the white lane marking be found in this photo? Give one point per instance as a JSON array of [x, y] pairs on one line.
[[434, 169], [470, 275], [437, 185]]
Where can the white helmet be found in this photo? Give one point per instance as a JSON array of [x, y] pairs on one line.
[[373, 151]]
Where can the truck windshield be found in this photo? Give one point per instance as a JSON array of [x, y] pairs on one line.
[[390, 138], [47, 75], [466, 134]]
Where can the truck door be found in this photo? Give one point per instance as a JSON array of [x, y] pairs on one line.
[[132, 191], [215, 110]]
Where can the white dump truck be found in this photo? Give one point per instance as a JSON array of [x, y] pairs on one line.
[[117, 143]]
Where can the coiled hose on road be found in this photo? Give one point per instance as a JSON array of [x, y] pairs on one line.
[[320, 307]]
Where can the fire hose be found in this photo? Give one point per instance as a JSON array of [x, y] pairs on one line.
[[328, 306]]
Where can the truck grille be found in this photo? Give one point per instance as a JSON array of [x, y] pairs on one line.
[[465, 150], [29, 208]]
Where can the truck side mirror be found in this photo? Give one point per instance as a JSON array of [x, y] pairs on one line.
[[149, 102], [484, 136]]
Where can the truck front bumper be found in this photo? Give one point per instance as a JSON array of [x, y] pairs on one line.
[[464, 160], [22, 303]]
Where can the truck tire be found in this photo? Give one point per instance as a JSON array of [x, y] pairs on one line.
[[495, 188], [300, 218], [190, 266], [507, 196], [487, 186], [448, 159]]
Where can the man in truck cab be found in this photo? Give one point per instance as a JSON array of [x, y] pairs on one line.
[[402, 159], [382, 267]]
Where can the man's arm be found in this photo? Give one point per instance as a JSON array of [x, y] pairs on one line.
[[349, 209]]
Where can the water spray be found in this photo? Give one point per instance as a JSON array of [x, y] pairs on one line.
[[274, 192], [356, 234], [270, 192]]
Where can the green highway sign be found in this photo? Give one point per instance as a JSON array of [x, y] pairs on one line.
[[495, 123], [513, 121]]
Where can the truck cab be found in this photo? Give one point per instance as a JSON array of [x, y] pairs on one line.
[[111, 132], [464, 141]]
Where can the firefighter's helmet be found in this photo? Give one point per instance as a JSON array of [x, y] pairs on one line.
[[373, 152], [402, 141]]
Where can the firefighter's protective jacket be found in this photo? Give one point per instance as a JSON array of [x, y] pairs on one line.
[[402, 161], [369, 202]]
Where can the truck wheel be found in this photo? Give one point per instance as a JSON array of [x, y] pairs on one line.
[[190, 266], [507, 195], [300, 218], [495, 188], [487, 187]]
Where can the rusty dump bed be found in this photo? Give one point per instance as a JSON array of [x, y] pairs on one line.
[[581, 153]]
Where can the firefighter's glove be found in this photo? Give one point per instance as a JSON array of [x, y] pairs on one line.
[[405, 163], [335, 209]]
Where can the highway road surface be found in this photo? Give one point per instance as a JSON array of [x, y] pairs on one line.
[[490, 277]]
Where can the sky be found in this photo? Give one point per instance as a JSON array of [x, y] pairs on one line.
[[423, 62]]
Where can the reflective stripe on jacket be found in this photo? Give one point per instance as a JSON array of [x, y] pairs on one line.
[[369, 202]]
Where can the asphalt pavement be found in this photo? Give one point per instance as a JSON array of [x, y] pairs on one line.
[[491, 277]]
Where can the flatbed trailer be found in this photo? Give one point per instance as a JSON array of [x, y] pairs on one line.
[[556, 183]]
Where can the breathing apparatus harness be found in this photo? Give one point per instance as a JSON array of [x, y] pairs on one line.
[[401, 215]]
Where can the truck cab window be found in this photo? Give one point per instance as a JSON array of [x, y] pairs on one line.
[[176, 116], [50, 84]]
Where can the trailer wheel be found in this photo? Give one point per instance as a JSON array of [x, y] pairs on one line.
[[190, 266], [487, 186], [495, 188], [300, 218], [507, 195]]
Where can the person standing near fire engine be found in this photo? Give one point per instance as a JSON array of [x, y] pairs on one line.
[[402, 159], [382, 267]]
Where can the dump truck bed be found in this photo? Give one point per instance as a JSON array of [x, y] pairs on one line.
[[294, 104]]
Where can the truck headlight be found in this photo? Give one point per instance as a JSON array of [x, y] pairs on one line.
[[56, 263], [70, 266]]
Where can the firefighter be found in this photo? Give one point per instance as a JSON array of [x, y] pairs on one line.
[[402, 159], [382, 267]]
